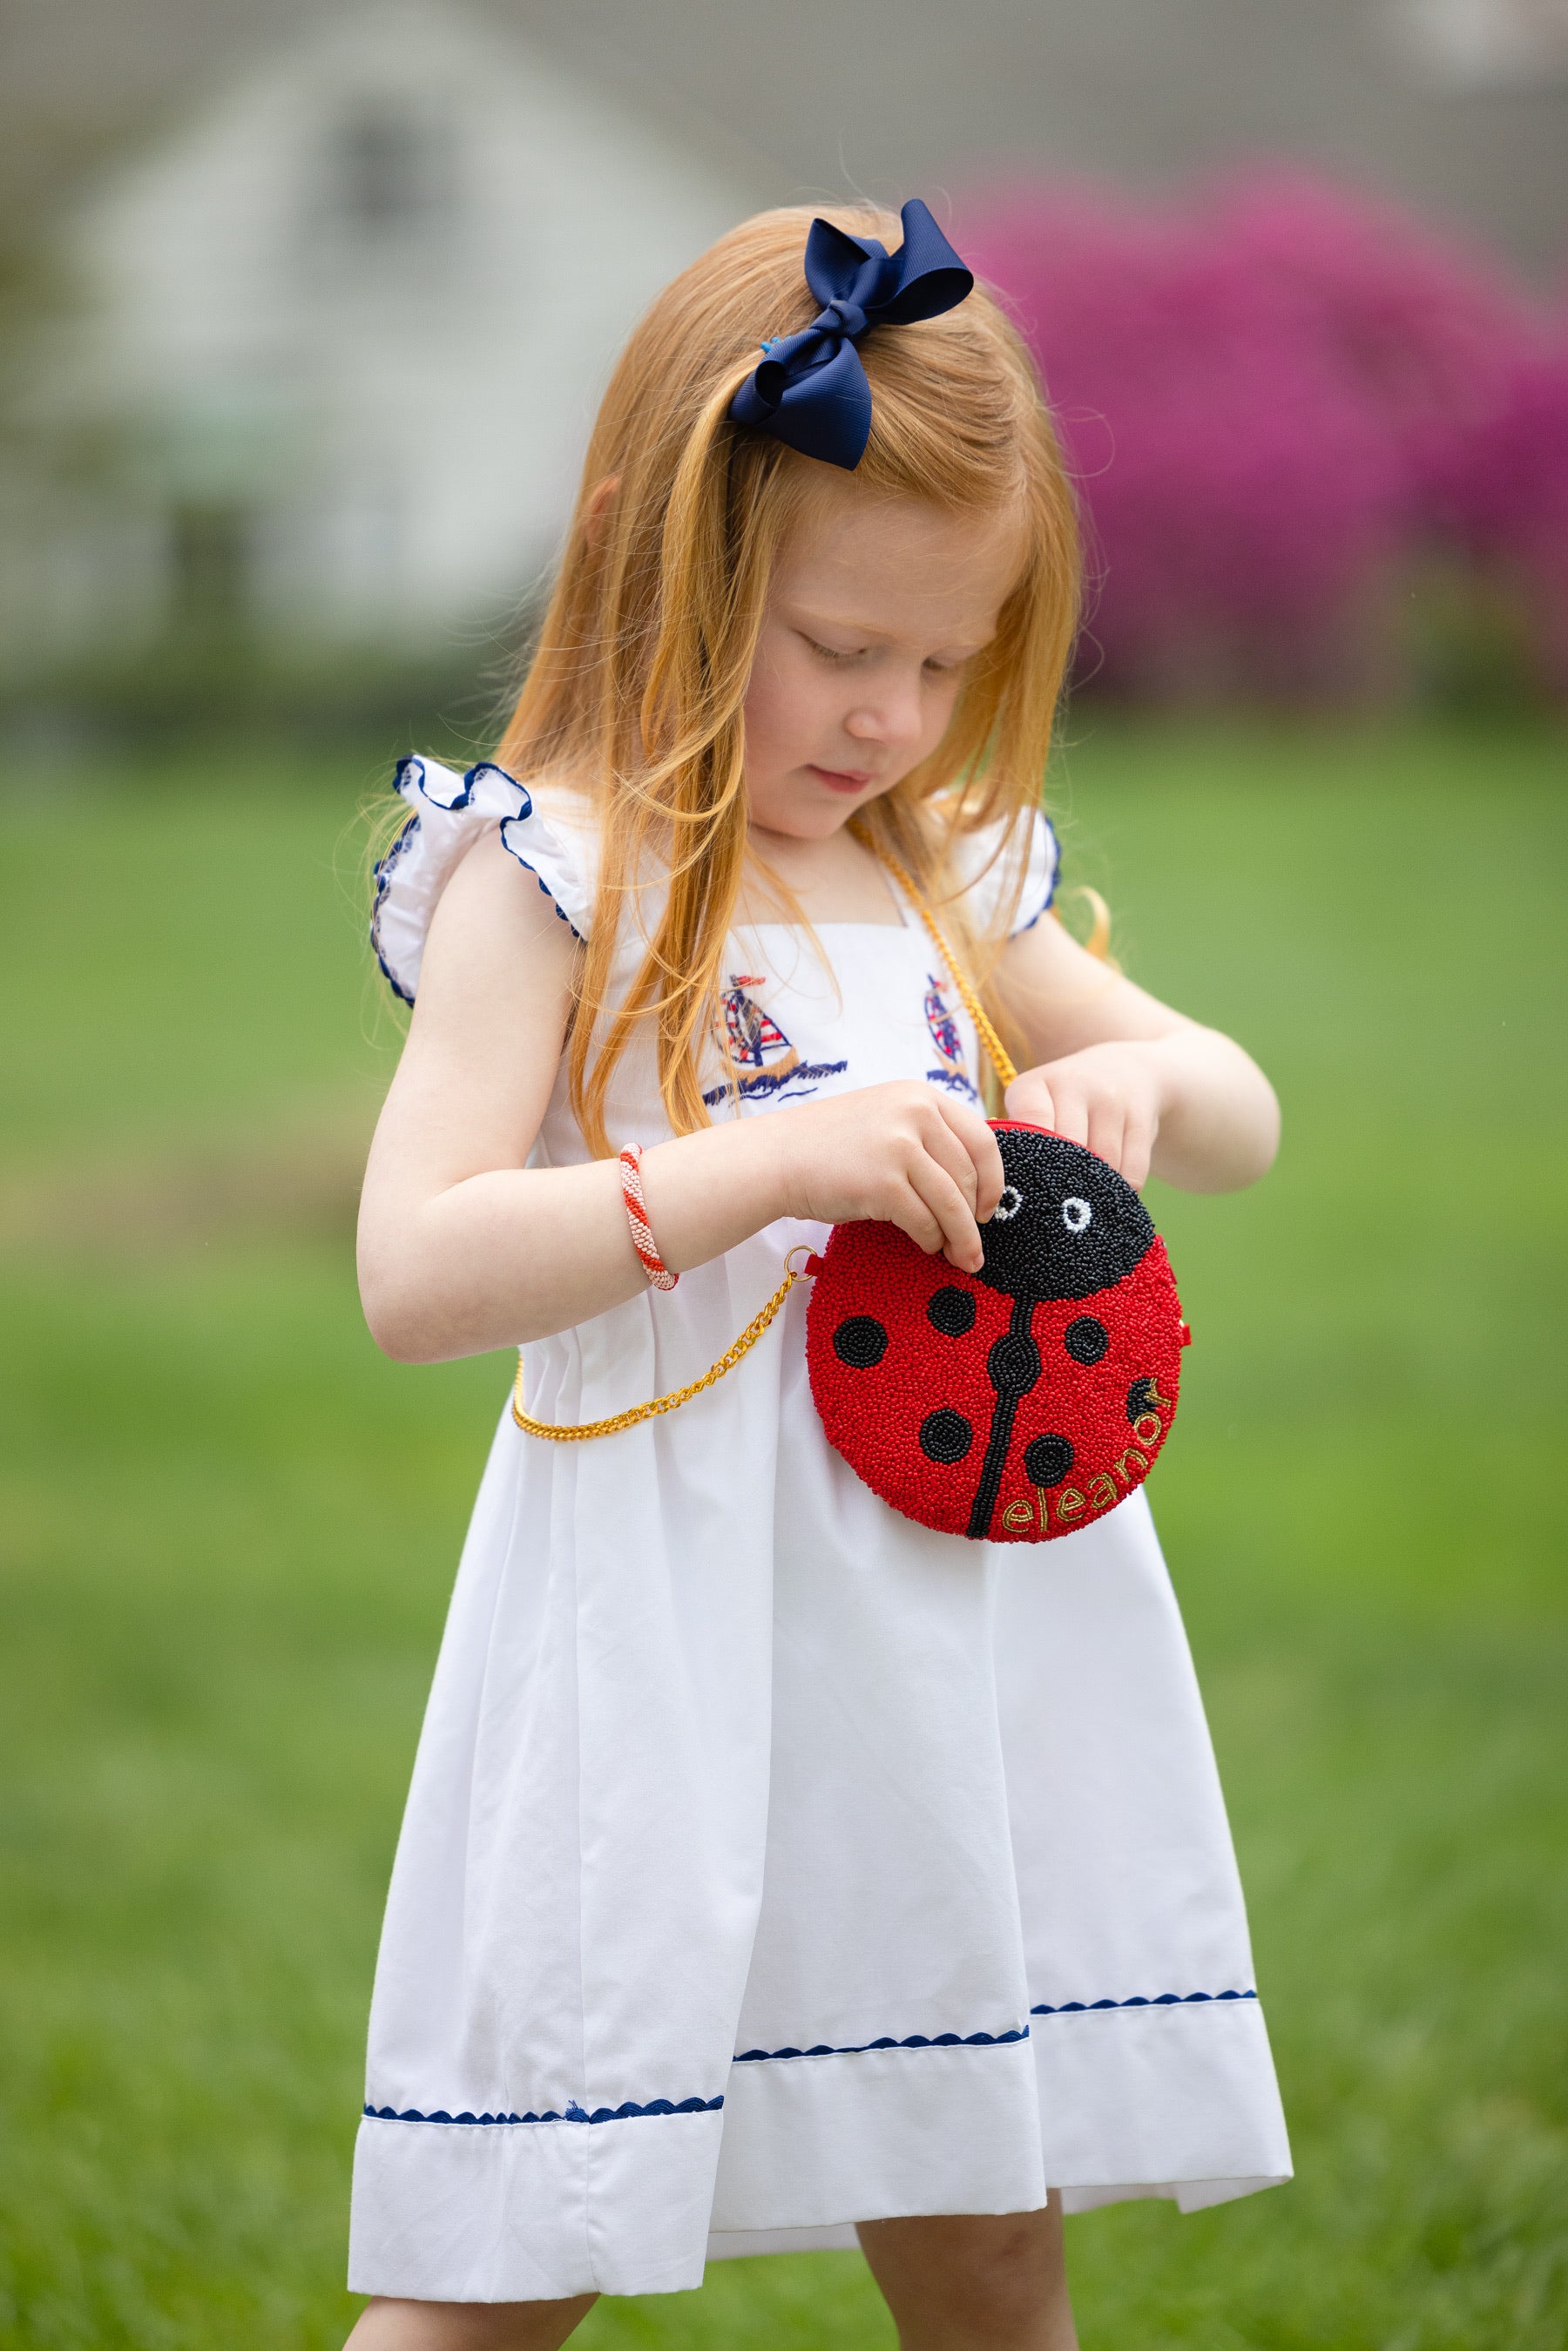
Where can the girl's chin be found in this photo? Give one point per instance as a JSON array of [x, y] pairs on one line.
[[819, 823], [816, 810]]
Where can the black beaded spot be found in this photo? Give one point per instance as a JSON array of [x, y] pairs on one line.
[[1013, 1363], [860, 1340], [946, 1436], [1037, 1252], [1140, 1398], [1047, 1460], [1085, 1338], [952, 1311]]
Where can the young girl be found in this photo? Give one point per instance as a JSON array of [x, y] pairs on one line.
[[778, 1872]]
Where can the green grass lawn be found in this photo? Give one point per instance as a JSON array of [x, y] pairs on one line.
[[229, 1528]]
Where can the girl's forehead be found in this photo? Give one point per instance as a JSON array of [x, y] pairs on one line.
[[871, 552]]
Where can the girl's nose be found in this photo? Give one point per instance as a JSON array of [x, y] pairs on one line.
[[894, 718]]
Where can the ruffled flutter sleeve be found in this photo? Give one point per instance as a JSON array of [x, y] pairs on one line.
[[447, 814], [991, 860]]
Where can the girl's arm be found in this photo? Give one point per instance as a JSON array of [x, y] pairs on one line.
[[1147, 1089], [462, 1246]]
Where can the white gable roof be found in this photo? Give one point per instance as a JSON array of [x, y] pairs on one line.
[[373, 293]]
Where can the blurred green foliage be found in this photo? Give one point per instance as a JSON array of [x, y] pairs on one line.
[[208, 678], [229, 1528]]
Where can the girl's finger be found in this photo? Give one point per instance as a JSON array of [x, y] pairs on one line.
[[959, 1234], [910, 1212], [992, 1185], [1137, 1151], [1106, 1132], [975, 1135], [990, 1175], [956, 1149], [1071, 1115], [1029, 1099]]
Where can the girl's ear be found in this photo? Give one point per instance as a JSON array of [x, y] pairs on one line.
[[598, 507]]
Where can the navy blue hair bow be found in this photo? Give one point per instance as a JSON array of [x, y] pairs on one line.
[[810, 389]]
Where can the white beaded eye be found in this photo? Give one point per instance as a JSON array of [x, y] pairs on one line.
[[1077, 1216], [1008, 1205]]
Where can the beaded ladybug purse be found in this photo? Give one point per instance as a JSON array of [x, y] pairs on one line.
[[1017, 1403], [1012, 1405]]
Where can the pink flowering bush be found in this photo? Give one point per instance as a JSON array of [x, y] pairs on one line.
[[1499, 494], [1278, 404]]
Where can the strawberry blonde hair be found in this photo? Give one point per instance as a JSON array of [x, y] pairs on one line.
[[634, 693]]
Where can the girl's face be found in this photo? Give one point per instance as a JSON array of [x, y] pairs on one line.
[[877, 610]]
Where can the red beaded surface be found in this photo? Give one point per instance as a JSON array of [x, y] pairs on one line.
[[1002, 1413]]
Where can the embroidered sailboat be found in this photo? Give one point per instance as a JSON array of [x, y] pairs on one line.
[[949, 1043], [751, 1044], [943, 1026], [754, 1053]]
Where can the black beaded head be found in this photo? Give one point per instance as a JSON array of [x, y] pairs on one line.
[[1066, 1225]]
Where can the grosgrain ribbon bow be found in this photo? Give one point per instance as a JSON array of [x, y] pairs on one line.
[[809, 391]]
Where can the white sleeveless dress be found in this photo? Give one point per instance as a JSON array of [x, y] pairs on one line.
[[772, 1863]]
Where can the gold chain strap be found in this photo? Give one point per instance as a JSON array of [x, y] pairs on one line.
[[571, 1432], [575, 1432], [1000, 1058]]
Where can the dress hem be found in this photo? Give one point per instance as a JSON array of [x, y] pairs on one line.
[[1108, 2106], [1187, 2195]]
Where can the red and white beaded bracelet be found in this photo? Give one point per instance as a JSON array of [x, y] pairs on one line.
[[643, 1240]]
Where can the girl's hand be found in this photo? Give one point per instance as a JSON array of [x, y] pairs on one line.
[[1130, 1077], [1111, 1097], [903, 1153]]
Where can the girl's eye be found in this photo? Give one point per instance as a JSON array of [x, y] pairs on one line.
[[832, 654], [1077, 1216]]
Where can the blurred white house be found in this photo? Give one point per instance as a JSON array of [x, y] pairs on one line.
[[331, 348], [322, 343]]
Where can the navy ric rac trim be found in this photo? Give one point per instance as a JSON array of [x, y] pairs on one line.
[[519, 816], [1049, 899], [629, 2112], [413, 767], [915, 2040], [560, 911], [1158, 1999], [384, 873], [573, 2113]]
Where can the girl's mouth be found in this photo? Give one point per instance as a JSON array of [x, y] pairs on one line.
[[842, 779]]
